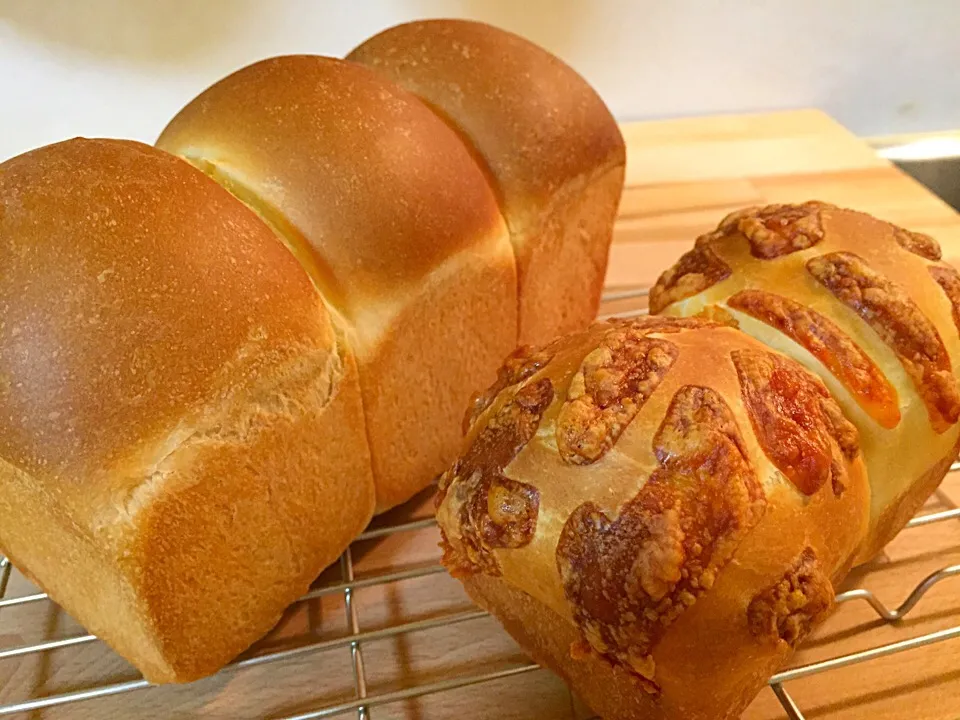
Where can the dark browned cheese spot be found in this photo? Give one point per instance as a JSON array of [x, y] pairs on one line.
[[949, 281], [495, 511], [777, 230], [523, 363], [771, 231], [630, 578], [787, 610], [612, 384], [795, 419], [917, 243], [830, 345], [888, 309], [696, 270]]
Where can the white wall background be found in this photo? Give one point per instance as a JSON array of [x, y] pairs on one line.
[[122, 68]]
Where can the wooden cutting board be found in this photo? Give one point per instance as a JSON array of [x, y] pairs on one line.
[[683, 176]]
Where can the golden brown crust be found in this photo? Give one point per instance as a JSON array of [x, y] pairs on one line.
[[896, 318], [830, 345], [399, 226], [660, 325], [347, 161], [843, 431], [173, 380], [244, 524], [789, 609], [558, 182], [895, 516], [497, 88], [776, 230], [882, 296], [547, 639], [629, 579], [733, 663], [458, 329], [567, 250], [695, 271], [493, 510], [613, 382], [719, 315], [638, 557], [100, 366]]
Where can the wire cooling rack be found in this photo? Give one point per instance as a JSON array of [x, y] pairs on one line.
[[620, 303]]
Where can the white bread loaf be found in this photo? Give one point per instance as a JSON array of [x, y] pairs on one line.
[[213, 372], [169, 386], [549, 145], [398, 225]]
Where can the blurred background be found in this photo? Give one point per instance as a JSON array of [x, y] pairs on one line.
[[122, 68]]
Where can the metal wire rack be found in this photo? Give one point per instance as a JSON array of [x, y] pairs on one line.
[[353, 639]]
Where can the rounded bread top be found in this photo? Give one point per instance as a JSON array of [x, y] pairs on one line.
[[536, 123], [133, 292], [865, 304], [614, 474], [368, 186]]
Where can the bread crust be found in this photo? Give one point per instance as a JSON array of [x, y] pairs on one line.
[[615, 565], [166, 412], [398, 225], [303, 276], [855, 286], [550, 147]]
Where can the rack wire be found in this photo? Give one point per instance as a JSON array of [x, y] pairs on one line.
[[364, 702]]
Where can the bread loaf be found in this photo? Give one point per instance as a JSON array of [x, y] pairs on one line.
[[864, 304], [549, 145], [170, 382], [654, 506], [669, 504], [215, 368], [398, 225]]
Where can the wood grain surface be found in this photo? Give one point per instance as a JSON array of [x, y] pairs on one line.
[[683, 176]]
